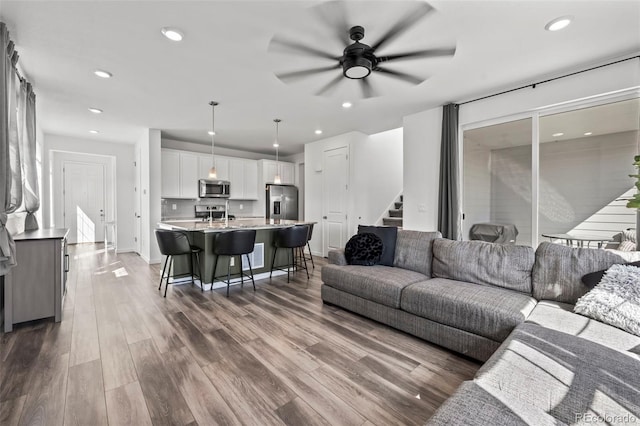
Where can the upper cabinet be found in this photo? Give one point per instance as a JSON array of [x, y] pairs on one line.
[[222, 166], [270, 169], [243, 175], [188, 175], [170, 172], [181, 170]]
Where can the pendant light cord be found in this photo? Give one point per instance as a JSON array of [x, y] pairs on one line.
[[213, 130], [277, 121]]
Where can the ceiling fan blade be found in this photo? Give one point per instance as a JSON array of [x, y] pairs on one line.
[[305, 73], [330, 85], [367, 88], [400, 75], [404, 24], [291, 45], [429, 53], [334, 14]]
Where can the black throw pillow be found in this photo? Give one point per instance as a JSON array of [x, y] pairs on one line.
[[388, 235], [593, 278], [363, 249]]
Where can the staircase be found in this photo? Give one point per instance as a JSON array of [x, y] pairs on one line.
[[395, 215]]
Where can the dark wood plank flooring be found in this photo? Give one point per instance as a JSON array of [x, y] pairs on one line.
[[124, 355]]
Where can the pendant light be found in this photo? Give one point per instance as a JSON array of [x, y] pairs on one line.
[[212, 171], [276, 178]]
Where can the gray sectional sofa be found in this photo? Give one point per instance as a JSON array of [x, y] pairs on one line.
[[510, 306]]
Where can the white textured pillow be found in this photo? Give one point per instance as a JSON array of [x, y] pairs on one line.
[[615, 300]]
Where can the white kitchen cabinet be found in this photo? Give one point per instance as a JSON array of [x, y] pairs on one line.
[[170, 174], [270, 169], [222, 166], [251, 180], [243, 175], [188, 175]]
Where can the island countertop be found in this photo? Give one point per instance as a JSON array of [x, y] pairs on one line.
[[240, 223]]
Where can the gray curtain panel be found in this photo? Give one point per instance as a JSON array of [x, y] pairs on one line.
[[27, 136], [7, 200], [449, 217]]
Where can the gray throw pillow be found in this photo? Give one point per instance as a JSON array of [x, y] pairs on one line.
[[388, 235], [615, 300]]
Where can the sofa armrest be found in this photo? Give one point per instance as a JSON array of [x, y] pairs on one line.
[[336, 257]]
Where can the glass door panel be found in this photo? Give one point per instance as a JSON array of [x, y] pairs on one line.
[[585, 158], [497, 181]]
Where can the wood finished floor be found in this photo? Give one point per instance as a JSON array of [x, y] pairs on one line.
[[123, 355]]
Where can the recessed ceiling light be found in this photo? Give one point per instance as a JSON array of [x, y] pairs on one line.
[[557, 135], [211, 132], [347, 105], [103, 74], [172, 34], [558, 23], [318, 132], [94, 132], [588, 133], [95, 110]]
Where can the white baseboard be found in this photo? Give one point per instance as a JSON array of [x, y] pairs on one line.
[[222, 284], [125, 250]]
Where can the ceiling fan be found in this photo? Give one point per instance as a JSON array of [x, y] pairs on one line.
[[359, 61]]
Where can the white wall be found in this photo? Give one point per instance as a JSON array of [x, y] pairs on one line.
[[422, 130], [125, 180], [421, 169], [377, 176], [150, 200]]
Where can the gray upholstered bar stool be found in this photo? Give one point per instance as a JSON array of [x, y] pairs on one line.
[[293, 238], [175, 243], [310, 257], [234, 244]]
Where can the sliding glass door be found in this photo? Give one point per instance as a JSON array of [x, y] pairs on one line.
[[553, 173], [497, 180], [586, 157]]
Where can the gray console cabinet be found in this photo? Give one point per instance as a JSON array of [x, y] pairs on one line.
[[36, 286]]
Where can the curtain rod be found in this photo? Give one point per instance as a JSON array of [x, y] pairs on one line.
[[533, 85]]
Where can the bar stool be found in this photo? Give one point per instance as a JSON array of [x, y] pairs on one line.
[[294, 237], [175, 243], [310, 257], [234, 244]]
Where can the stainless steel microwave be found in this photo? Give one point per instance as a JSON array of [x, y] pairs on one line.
[[213, 188]]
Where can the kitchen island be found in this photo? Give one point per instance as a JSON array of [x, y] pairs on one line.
[[202, 235]]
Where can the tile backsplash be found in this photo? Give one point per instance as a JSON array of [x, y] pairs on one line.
[[184, 209]]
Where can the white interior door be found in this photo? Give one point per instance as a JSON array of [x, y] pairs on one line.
[[335, 190], [84, 202]]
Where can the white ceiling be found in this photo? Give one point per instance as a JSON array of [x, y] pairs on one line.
[[225, 56]]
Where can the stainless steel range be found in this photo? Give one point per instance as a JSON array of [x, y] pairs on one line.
[[216, 212]]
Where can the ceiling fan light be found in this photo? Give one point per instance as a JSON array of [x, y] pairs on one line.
[[212, 173], [356, 67]]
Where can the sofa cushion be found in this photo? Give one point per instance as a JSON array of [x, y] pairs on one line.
[[560, 316], [480, 309], [388, 235], [558, 270], [380, 284], [501, 265], [472, 405], [414, 250], [570, 378]]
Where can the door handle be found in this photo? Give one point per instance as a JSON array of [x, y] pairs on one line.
[[324, 217]]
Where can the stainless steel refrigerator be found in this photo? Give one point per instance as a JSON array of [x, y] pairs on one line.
[[282, 202]]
